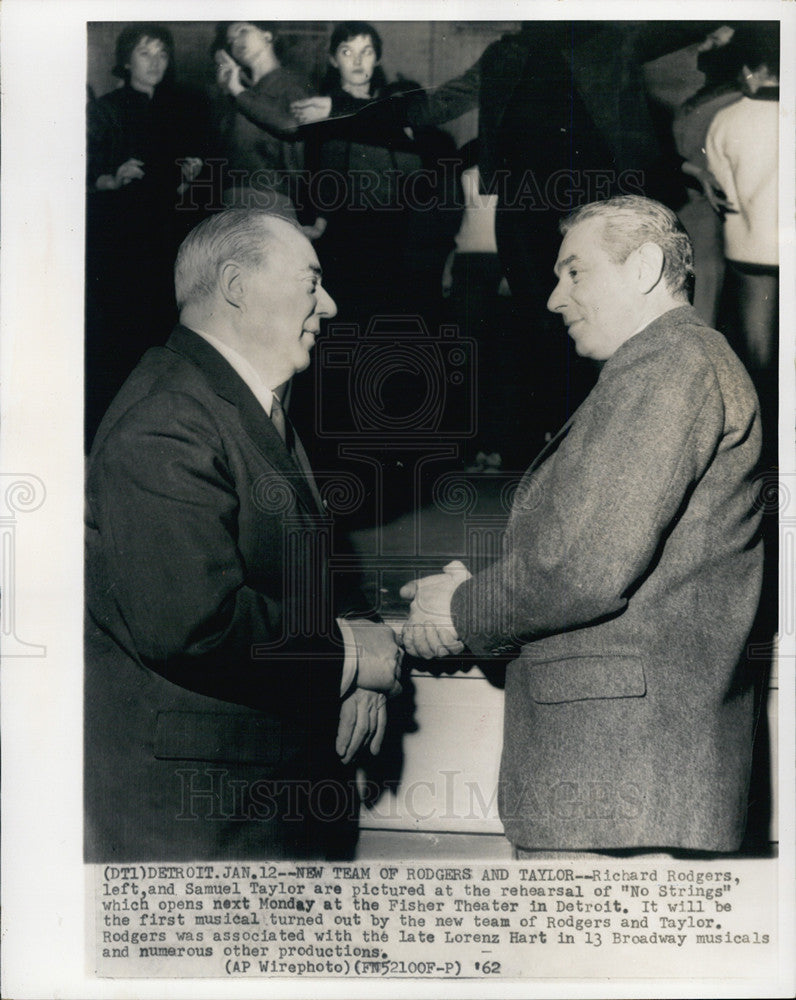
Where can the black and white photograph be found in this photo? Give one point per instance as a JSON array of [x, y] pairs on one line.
[[398, 499]]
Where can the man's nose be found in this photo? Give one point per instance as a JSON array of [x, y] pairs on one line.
[[557, 299], [326, 305]]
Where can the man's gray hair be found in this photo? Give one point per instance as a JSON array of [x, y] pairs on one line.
[[241, 234], [630, 221]]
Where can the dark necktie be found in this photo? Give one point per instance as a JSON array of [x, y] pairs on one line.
[[284, 428], [281, 423]]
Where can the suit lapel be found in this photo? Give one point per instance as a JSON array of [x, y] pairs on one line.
[[550, 447], [524, 489], [227, 384]]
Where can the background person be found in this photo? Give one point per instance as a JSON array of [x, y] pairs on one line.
[[479, 294], [387, 222], [742, 149], [706, 203], [262, 157], [141, 152], [362, 152]]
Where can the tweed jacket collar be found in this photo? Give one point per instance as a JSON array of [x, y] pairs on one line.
[[633, 348], [226, 383], [640, 342]]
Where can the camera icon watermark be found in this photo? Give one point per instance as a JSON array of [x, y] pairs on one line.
[[395, 382]]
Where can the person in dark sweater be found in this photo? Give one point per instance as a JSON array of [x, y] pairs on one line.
[[140, 141], [263, 156], [359, 150], [378, 186]]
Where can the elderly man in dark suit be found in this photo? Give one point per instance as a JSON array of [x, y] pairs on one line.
[[228, 683], [631, 568]]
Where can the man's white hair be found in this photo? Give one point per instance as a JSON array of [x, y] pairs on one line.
[[244, 235], [630, 221]]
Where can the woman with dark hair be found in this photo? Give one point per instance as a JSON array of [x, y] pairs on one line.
[[138, 167], [369, 171], [355, 60], [135, 132], [378, 187], [256, 126]]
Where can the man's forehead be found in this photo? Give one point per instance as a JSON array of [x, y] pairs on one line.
[[582, 242], [304, 259], [288, 243]]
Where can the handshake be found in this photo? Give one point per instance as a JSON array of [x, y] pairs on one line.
[[428, 632]]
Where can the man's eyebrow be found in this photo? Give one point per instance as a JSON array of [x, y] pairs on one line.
[[561, 264], [315, 270]]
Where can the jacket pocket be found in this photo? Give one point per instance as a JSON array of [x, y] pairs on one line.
[[235, 737], [581, 678]]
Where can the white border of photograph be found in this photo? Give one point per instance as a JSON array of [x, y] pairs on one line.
[[43, 148]]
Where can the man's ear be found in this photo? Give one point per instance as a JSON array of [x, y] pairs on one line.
[[231, 283], [333, 61], [649, 263]]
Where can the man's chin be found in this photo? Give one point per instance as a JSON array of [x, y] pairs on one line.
[[579, 347], [583, 351]]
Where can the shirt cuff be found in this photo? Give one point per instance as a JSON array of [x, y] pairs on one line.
[[350, 658]]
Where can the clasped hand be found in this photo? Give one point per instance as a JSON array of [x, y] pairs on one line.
[[429, 631], [363, 714]]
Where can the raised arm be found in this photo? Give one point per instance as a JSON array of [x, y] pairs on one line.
[[270, 108]]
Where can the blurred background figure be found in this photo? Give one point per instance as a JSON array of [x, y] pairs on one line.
[[717, 59], [480, 296], [742, 153], [262, 158], [382, 218], [143, 141], [742, 149], [381, 236]]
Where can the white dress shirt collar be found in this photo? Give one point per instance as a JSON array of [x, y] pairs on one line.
[[262, 392]]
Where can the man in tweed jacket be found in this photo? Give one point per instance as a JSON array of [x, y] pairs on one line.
[[631, 568]]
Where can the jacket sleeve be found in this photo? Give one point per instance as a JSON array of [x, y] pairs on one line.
[[103, 142], [586, 529], [718, 157], [163, 523], [449, 100], [379, 122], [271, 111]]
